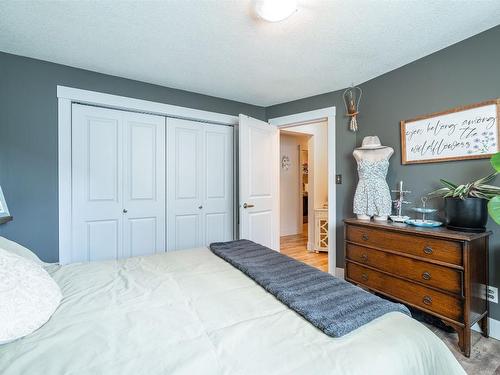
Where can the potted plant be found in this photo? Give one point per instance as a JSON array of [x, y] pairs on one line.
[[467, 205]]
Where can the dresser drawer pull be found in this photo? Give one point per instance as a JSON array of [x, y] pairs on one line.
[[364, 276], [426, 276], [364, 237], [428, 250], [364, 257], [427, 300]]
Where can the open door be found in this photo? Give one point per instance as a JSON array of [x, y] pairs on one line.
[[259, 182]]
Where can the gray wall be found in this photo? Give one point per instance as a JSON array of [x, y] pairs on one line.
[[465, 73], [28, 138]]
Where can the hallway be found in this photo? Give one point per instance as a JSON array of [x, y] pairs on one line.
[[295, 246]]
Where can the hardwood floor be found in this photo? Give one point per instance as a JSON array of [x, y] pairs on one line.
[[295, 246]]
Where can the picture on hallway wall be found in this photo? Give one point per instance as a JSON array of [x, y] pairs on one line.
[[467, 132]]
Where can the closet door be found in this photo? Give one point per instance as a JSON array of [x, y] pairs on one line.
[[97, 183], [144, 184], [218, 190], [184, 184], [199, 184], [118, 179]]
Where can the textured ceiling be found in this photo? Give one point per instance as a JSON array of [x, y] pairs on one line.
[[220, 48]]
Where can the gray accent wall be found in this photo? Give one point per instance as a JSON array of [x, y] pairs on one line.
[[28, 138], [465, 73]]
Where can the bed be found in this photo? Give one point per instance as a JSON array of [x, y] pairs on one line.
[[190, 312]]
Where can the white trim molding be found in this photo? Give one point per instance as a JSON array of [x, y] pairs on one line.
[[64, 177], [494, 328], [138, 105], [339, 273], [323, 114], [69, 95], [304, 117]]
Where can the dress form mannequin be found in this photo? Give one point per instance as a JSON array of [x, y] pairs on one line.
[[372, 194]]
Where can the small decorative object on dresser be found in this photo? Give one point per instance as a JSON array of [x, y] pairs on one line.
[[424, 211], [439, 271], [398, 203]]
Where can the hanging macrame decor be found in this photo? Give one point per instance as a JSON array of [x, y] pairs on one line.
[[352, 96]]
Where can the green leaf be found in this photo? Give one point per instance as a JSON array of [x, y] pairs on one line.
[[448, 184], [461, 191], [494, 209], [495, 161], [486, 179], [439, 192], [489, 189], [479, 194]]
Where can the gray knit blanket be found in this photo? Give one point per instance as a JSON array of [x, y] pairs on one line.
[[333, 305]]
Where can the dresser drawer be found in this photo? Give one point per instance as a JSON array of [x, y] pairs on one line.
[[444, 278], [417, 295], [424, 247]]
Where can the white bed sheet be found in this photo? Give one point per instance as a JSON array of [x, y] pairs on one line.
[[190, 312]]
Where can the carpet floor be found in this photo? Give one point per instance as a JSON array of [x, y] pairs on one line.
[[485, 353]]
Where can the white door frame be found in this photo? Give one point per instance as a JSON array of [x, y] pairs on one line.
[[303, 118], [68, 95]]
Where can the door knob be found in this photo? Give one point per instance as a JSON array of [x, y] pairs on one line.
[[246, 205], [200, 207], [125, 210]]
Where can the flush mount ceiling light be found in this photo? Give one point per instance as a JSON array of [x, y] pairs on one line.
[[275, 10]]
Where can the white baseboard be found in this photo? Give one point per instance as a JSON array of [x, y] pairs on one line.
[[494, 328], [339, 272]]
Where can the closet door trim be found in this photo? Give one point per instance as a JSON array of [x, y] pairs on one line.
[[66, 97]]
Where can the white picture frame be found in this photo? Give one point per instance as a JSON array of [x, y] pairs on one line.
[[461, 133]]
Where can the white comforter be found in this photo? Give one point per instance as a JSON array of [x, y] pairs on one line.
[[189, 312]]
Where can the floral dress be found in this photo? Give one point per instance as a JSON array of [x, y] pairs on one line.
[[372, 194]]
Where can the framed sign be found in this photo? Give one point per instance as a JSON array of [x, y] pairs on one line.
[[468, 132]]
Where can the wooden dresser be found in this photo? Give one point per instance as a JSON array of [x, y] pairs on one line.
[[439, 271]]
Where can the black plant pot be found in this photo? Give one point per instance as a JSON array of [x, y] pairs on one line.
[[468, 215]]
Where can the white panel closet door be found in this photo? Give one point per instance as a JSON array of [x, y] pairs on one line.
[[199, 184], [259, 182], [217, 213], [117, 183], [144, 184]]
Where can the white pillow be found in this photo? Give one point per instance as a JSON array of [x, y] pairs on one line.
[[14, 247], [28, 296]]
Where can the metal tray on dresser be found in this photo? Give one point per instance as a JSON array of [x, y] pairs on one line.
[[439, 271]]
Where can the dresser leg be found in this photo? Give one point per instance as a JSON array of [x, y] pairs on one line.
[[464, 340], [483, 323]]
